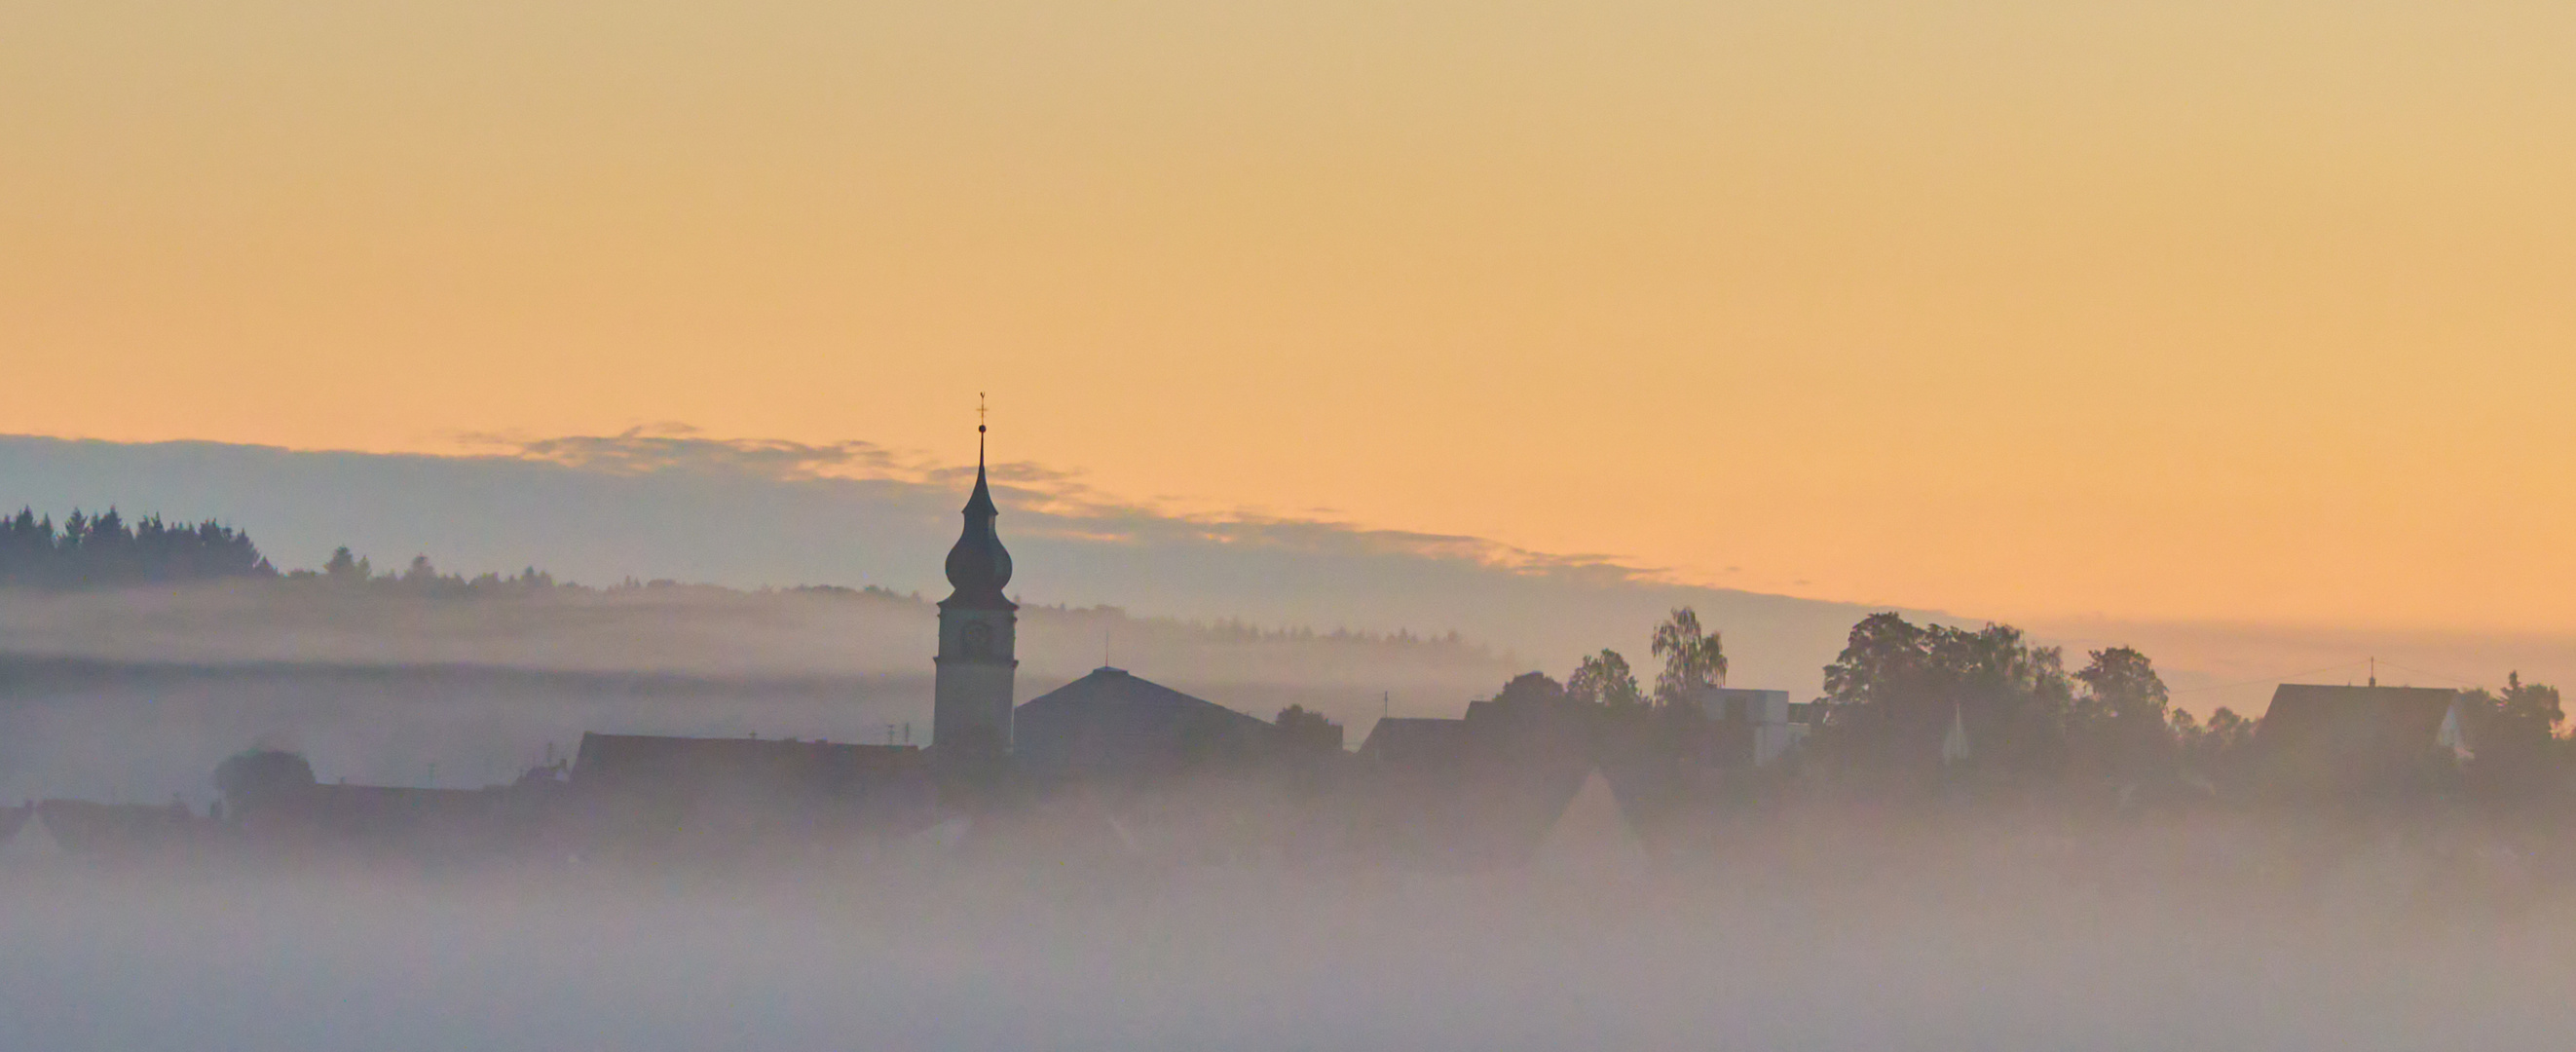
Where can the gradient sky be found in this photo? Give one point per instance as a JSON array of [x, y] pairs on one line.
[[2253, 309]]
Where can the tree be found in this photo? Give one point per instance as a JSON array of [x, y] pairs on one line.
[[26, 549], [420, 574], [1605, 680], [1897, 687], [2121, 719], [346, 568], [2513, 734], [2219, 750], [1883, 665], [1303, 731], [1530, 688], [1693, 659], [2123, 684], [257, 775], [2229, 729], [2531, 709], [106, 552]]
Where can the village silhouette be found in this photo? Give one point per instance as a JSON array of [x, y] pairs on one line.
[[1923, 734]]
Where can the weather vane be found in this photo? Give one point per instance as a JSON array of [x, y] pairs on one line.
[[979, 412]]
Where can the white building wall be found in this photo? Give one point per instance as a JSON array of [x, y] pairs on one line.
[[1766, 710]]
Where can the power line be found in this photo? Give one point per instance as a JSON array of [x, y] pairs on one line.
[[2266, 679], [2330, 668], [2435, 675]]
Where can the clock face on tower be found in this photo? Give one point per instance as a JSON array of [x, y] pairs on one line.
[[978, 639]]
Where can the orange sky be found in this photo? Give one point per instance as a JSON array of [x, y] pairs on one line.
[[2252, 309]]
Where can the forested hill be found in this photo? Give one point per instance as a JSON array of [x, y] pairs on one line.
[[103, 551]]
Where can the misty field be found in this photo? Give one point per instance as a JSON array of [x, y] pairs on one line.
[[1033, 956]]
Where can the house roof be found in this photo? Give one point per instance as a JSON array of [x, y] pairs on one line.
[[1116, 689], [2350, 716], [615, 760], [1112, 717], [1416, 739], [1471, 792], [2342, 735], [376, 810]]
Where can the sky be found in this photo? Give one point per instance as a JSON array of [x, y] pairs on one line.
[[2256, 311], [746, 515], [701, 510]]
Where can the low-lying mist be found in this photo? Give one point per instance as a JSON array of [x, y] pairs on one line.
[[135, 695], [1848, 931]]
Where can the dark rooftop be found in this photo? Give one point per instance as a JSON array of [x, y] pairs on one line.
[[1112, 719], [2345, 738]]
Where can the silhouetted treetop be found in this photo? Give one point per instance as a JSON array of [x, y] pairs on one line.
[[1897, 686], [1604, 679], [255, 775], [104, 551], [1693, 657], [347, 569], [2120, 723], [1303, 730]]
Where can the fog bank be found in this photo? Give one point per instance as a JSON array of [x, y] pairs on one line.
[[1227, 959]]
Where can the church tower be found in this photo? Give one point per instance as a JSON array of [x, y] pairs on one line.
[[971, 707]]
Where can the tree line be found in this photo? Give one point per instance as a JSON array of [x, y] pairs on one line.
[[105, 551], [348, 569], [1909, 705]]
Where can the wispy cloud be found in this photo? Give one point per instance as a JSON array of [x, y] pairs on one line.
[[669, 501], [673, 446], [1077, 510]]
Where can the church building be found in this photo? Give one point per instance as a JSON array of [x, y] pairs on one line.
[[971, 706], [1105, 722]]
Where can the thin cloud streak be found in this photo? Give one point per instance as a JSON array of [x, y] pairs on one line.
[[1031, 488]]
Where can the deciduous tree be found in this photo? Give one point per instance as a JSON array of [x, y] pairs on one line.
[[1604, 679], [1693, 657]]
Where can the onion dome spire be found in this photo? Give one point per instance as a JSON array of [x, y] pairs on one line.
[[978, 566]]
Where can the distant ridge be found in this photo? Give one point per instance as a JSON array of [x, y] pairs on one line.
[[704, 510]]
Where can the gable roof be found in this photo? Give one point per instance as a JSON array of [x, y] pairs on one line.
[[1112, 719], [1475, 792], [2347, 716], [2330, 737], [1416, 740], [1117, 686]]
